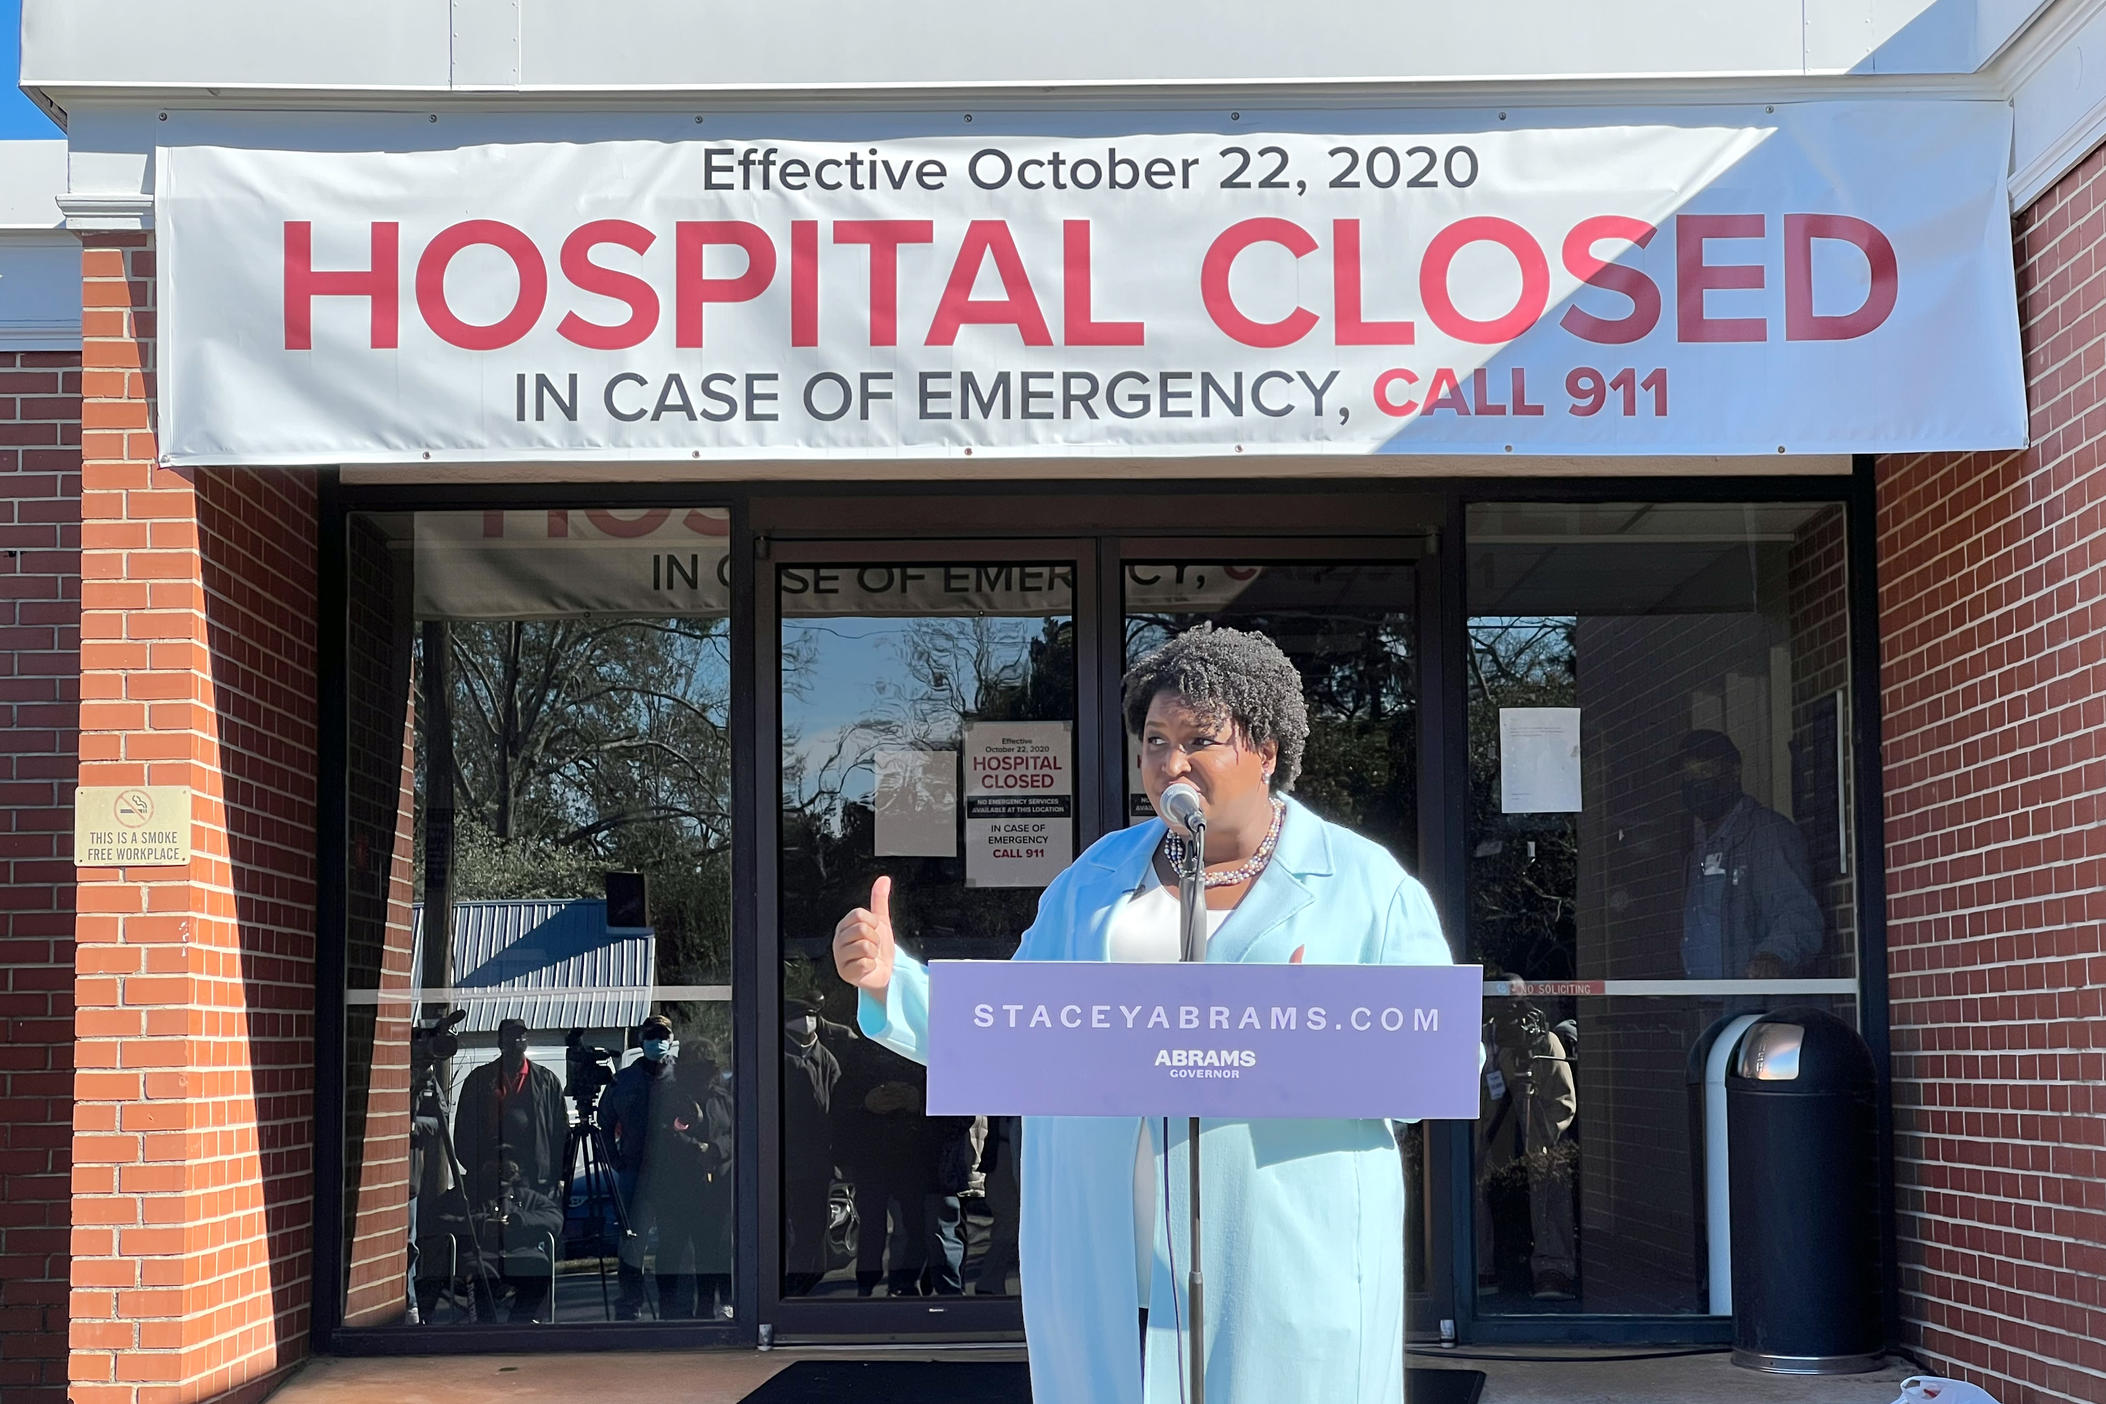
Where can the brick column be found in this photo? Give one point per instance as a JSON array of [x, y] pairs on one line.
[[1992, 603], [193, 1138], [39, 710]]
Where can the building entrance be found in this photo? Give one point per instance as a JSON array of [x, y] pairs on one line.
[[949, 718], [614, 773]]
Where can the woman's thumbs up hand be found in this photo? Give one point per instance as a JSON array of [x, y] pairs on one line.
[[863, 942]]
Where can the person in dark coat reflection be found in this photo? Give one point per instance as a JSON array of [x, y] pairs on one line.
[[509, 1134], [694, 1220], [878, 1129], [650, 1165], [809, 1076]]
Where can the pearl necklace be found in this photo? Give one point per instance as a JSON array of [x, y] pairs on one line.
[[1175, 849]]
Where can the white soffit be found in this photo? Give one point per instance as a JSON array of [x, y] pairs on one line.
[[674, 46], [2047, 57]]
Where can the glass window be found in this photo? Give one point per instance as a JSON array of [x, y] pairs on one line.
[[1659, 843], [539, 1108], [928, 734], [1350, 628]]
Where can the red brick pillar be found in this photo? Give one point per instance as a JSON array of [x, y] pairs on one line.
[[39, 712], [193, 1138], [1992, 605]]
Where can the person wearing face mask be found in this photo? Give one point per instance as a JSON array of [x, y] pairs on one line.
[[511, 1114], [809, 1076], [1748, 911], [639, 1112]]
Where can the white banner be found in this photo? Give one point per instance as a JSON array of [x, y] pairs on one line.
[[1821, 278]]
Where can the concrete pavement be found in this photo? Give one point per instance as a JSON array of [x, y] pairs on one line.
[[724, 1377]]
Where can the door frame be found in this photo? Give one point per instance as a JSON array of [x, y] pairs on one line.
[[1424, 1312], [765, 515], [898, 530], [889, 1318]]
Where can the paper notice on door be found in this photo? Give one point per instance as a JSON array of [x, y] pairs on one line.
[[1539, 760], [917, 804], [1139, 808], [1019, 803]]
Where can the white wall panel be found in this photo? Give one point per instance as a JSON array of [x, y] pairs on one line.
[[236, 43], [2058, 102], [669, 44], [32, 174], [39, 292]]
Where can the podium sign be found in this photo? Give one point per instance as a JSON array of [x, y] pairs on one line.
[[1094, 1038]]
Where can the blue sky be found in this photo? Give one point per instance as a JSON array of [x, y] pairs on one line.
[[19, 117]]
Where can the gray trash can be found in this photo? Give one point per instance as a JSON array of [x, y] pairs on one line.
[[1801, 1129]]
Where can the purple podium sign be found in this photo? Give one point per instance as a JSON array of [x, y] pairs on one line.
[[1095, 1038]]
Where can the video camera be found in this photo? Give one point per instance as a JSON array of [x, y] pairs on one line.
[[588, 1071], [434, 1042]]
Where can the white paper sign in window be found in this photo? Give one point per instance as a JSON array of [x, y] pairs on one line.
[[1539, 760], [917, 804], [1019, 803]]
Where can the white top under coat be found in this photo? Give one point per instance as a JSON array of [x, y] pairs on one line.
[[1145, 929]]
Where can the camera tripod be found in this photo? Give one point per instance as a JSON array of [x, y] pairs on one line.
[[585, 1152], [484, 1288]]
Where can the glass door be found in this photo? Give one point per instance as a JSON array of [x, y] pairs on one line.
[[930, 730], [1685, 864], [1349, 614]]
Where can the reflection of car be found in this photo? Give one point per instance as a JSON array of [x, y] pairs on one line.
[[844, 1230]]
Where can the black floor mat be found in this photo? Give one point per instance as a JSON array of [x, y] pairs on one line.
[[988, 1382]]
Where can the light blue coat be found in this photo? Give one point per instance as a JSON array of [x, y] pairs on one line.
[[1303, 1220]]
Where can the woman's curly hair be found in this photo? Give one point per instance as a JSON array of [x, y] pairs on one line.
[[1228, 673]]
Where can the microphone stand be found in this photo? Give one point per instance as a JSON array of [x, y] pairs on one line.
[[1192, 924]]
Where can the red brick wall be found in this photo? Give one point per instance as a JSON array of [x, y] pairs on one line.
[[1993, 677], [39, 710], [193, 1142], [380, 751]]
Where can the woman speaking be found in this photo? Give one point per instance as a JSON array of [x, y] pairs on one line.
[[1303, 1220]]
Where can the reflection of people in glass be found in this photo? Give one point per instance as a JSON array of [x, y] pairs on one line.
[[518, 1230], [650, 1163], [1306, 1299], [998, 1165], [694, 1224], [877, 1126], [948, 1161], [431, 1182], [809, 1075], [1749, 911], [509, 1136], [1530, 1102]]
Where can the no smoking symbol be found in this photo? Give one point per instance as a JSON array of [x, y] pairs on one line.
[[134, 809]]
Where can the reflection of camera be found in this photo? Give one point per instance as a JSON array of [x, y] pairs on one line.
[[588, 1071], [435, 1042]]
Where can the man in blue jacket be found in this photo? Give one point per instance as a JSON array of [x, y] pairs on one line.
[[1749, 911]]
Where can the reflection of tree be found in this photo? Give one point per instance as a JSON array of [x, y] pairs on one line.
[[943, 673], [587, 745], [1523, 868], [1359, 678]]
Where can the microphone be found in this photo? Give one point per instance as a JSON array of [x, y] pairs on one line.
[[1182, 809]]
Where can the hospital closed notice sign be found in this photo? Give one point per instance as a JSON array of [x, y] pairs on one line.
[[1811, 278], [119, 826]]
